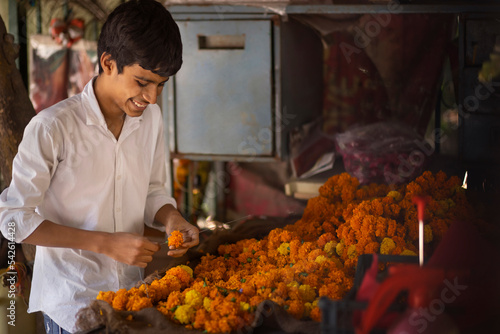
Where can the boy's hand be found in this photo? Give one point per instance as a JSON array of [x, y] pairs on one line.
[[189, 234], [173, 220], [130, 248]]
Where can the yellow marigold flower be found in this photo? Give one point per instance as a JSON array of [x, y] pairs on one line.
[[351, 252], [307, 293], [284, 248], [193, 298], [206, 303], [387, 246], [187, 269], [307, 309], [340, 248], [244, 306], [408, 252], [175, 239], [427, 234], [184, 313], [396, 195], [330, 248], [293, 284], [320, 259]]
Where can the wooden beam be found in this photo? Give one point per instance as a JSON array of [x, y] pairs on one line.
[[16, 109]]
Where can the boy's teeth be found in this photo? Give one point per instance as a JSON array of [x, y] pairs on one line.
[[139, 105]]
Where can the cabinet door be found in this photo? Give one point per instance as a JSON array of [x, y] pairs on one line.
[[223, 92]]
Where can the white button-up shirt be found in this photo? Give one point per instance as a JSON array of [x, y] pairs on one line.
[[71, 170]]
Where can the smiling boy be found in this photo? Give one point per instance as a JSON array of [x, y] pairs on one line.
[[91, 170]]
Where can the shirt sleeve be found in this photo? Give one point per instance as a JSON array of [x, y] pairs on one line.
[[33, 167], [157, 192]]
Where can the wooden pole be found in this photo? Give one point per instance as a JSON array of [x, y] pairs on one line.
[[16, 109]]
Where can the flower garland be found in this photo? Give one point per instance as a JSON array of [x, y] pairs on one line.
[[300, 263]]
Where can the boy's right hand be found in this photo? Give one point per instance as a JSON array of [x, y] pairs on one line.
[[129, 248]]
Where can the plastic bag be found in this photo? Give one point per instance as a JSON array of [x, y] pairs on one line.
[[384, 152]]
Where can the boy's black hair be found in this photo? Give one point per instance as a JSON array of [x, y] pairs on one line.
[[142, 32]]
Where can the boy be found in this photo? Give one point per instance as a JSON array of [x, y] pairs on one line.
[[90, 171]]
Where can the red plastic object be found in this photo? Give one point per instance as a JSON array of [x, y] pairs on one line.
[[422, 284]]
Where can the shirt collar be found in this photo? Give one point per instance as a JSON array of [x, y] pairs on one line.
[[93, 112]]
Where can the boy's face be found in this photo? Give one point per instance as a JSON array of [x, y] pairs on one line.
[[135, 88]]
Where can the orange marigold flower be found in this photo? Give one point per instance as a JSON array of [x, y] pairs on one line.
[[137, 303], [175, 239], [316, 314], [325, 238], [295, 308], [107, 296], [120, 300]]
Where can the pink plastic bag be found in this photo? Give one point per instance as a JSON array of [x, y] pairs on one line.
[[384, 152]]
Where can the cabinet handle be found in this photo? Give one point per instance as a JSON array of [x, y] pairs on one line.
[[221, 42]]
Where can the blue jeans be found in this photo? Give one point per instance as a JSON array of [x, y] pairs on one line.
[[51, 327]]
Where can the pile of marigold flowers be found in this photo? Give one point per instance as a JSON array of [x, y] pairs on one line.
[[297, 265]]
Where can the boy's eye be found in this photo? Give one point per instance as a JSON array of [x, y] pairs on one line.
[[141, 84]]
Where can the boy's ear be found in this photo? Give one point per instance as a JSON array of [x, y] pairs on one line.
[[107, 63]]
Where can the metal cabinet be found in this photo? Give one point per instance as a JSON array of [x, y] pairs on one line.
[[223, 92], [246, 80]]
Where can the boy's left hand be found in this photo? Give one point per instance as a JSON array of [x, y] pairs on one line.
[[173, 221]]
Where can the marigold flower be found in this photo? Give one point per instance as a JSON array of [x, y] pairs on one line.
[[352, 253], [320, 259], [120, 300], [244, 306], [387, 246], [395, 194], [284, 248], [206, 303], [187, 269], [184, 314], [408, 252], [107, 296], [163, 308], [193, 298], [316, 314], [307, 293], [175, 239], [340, 248], [137, 303], [295, 308]]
